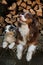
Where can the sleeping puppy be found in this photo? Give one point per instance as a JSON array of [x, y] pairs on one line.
[[9, 37], [28, 28]]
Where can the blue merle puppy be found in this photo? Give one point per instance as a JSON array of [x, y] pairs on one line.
[[9, 38]]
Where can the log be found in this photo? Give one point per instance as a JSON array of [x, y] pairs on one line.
[[32, 11], [29, 2], [20, 8], [33, 4], [39, 12], [9, 15], [19, 2], [23, 4], [36, 7], [15, 16], [13, 12], [13, 7], [7, 20], [1, 19], [25, 0], [24, 10], [38, 1], [4, 2], [28, 7]]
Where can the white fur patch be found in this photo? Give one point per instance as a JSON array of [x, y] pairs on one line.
[[23, 18], [7, 28], [4, 44], [31, 49], [24, 30], [19, 51], [11, 45]]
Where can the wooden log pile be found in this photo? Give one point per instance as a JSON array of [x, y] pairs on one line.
[[35, 7]]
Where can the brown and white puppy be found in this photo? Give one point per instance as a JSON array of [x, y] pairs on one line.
[[29, 32], [9, 39]]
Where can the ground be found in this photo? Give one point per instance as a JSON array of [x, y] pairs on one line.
[[8, 57]]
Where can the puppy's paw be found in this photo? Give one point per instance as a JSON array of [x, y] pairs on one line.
[[28, 57], [19, 51], [4, 45], [11, 45], [19, 56]]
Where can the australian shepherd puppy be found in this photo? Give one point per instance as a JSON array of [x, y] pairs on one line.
[[9, 37], [28, 28]]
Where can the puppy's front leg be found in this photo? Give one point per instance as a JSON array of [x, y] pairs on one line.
[[4, 44], [31, 49], [11, 45], [19, 51]]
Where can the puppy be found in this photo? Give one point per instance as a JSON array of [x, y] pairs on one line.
[[9, 37], [28, 28]]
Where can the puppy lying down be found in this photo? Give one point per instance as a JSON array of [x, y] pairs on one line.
[[28, 29], [9, 39]]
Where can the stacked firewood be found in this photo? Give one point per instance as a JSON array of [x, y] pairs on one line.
[[33, 6]]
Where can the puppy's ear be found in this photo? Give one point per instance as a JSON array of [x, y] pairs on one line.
[[28, 15], [36, 20]]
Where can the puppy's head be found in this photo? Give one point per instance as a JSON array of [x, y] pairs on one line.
[[25, 18], [10, 28]]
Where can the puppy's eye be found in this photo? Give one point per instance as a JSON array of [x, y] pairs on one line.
[[27, 16]]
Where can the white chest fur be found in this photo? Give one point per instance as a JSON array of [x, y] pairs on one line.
[[24, 30]]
